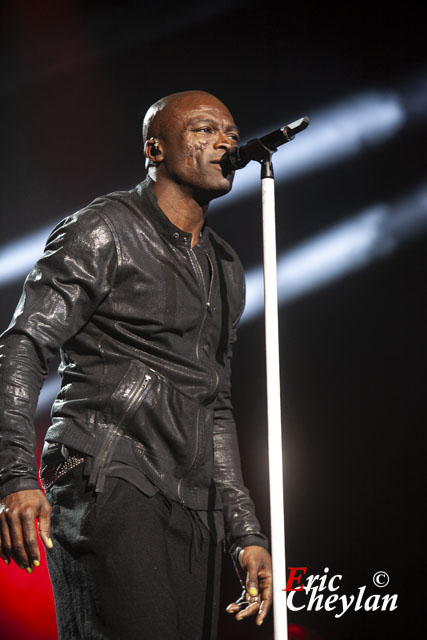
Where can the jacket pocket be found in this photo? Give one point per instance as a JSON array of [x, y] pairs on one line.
[[124, 401], [129, 394], [170, 427]]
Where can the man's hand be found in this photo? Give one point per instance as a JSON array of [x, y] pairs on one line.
[[258, 591], [18, 535]]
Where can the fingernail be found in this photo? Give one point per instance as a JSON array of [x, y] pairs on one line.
[[260, 623], [7, 561], [50, 543], [253, 591], [240, 618], [29, 570], [36, 563]]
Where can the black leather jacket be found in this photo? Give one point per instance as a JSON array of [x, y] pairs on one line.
[[145, 327]]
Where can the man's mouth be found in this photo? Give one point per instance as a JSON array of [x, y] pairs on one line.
[[217, 162]]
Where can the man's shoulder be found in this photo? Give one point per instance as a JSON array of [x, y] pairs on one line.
[[113, 203], [105, 212]]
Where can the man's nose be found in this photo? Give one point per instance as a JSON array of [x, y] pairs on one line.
[[223, 141]]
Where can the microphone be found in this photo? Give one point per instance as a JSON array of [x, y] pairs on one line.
[[261, 148]]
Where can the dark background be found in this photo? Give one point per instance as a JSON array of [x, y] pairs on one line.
[[77, 78]]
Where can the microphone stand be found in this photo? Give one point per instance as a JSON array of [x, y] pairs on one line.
[[274, 413], [261, 150]]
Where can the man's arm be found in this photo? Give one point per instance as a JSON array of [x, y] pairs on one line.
[[248, 546], [60, 294]]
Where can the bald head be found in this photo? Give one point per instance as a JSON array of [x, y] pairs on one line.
[[158, 116]]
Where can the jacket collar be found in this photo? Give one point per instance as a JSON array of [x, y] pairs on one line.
[[164, 226]]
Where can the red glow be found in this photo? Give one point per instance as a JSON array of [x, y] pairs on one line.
[[297, 632], [27, 608]]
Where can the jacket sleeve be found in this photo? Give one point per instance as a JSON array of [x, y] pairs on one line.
[[241, 525], [74, 274]]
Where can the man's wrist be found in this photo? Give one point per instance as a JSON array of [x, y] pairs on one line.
[[18, 484], [258, 540]]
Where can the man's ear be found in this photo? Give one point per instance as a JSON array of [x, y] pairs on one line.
[[153, 151]]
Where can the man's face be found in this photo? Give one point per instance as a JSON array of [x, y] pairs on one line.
[[197, 132]]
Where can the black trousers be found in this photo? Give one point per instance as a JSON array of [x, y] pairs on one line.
[[125, 566]]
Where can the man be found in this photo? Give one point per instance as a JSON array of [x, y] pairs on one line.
[[141, 463]]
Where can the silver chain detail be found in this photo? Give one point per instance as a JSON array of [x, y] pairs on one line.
[[50, 473]]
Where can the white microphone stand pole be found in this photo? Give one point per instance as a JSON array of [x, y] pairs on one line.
[[261, 150], [274, 414]]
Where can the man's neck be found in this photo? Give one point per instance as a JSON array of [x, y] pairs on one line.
[[181, 208]]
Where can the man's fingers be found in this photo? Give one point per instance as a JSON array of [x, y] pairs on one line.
[[5, 543], [267, 599], [240, 605], [251, 609], [252, 579], [28, 522], [44, 524], [19, 552], [18, 513], [244, 606]]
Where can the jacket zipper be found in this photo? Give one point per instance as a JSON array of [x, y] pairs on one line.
[[138, 396], [200, 277], [207, 298], [209, 308]]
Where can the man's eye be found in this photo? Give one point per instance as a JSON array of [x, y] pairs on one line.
[[234, 136], [205, 129]]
